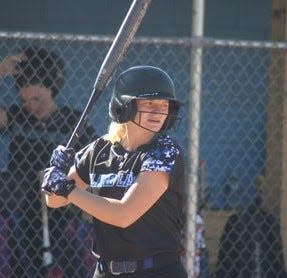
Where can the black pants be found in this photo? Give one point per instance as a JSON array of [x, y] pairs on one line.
[[170, 271]]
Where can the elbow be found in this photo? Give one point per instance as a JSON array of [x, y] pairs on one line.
[[124, 224], [126, 219]]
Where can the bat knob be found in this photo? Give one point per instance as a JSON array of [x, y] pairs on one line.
[[46, 192], [47, 258]]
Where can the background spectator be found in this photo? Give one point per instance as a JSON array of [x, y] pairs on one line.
[[251, 245], [35, 127]]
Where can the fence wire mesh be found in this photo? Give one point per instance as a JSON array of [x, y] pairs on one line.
[[240, 172]]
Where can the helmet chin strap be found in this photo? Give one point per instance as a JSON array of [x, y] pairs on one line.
[[138, 124], [145, 127]]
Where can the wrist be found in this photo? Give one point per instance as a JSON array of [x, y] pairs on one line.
[[72, 194], [69, 188]]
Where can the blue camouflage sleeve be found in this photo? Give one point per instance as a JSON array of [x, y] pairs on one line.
[[162, 157]]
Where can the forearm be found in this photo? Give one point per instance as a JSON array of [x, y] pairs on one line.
[[106, 210], [54, 201]]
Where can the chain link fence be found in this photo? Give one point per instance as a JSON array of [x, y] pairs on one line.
[[240, 171], [241, 167]]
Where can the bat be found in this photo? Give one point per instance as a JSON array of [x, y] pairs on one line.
[[114, 56], [117, 50], [47, 257]]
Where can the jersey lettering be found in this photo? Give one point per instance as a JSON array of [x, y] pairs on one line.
[[122, 179]]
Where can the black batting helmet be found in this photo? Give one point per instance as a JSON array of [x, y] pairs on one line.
[[142, 82]]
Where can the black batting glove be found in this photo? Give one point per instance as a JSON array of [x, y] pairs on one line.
[[62, 158], [55, 181]]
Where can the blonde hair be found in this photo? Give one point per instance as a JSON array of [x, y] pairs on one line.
[[116, 132]]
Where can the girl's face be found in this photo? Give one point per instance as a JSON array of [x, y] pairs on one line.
[[151, 113]]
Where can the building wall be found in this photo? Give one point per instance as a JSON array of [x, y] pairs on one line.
[[223, 18], [164, 18], [237, 19]]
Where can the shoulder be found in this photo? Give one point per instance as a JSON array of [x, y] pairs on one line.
[[90, 152], [72, 116], [17, 114], [165, 144], [95, 146], [162, 155], [66, 116], [100, 143], [15, 109], [67, 111]]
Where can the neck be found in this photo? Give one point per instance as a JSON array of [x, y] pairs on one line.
[[135, 138]]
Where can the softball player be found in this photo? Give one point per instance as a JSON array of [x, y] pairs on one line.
[[135, 175]]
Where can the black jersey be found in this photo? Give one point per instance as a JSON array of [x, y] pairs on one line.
[[110, 170]]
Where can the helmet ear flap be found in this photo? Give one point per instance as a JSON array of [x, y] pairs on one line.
[[120, 113], [131, 110], [123, 113], [172, 117]]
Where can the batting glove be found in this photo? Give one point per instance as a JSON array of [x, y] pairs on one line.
[[55, 181], [62, 158]]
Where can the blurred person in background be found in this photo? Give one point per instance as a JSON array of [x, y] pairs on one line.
[[251, 245], [35, 127]]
